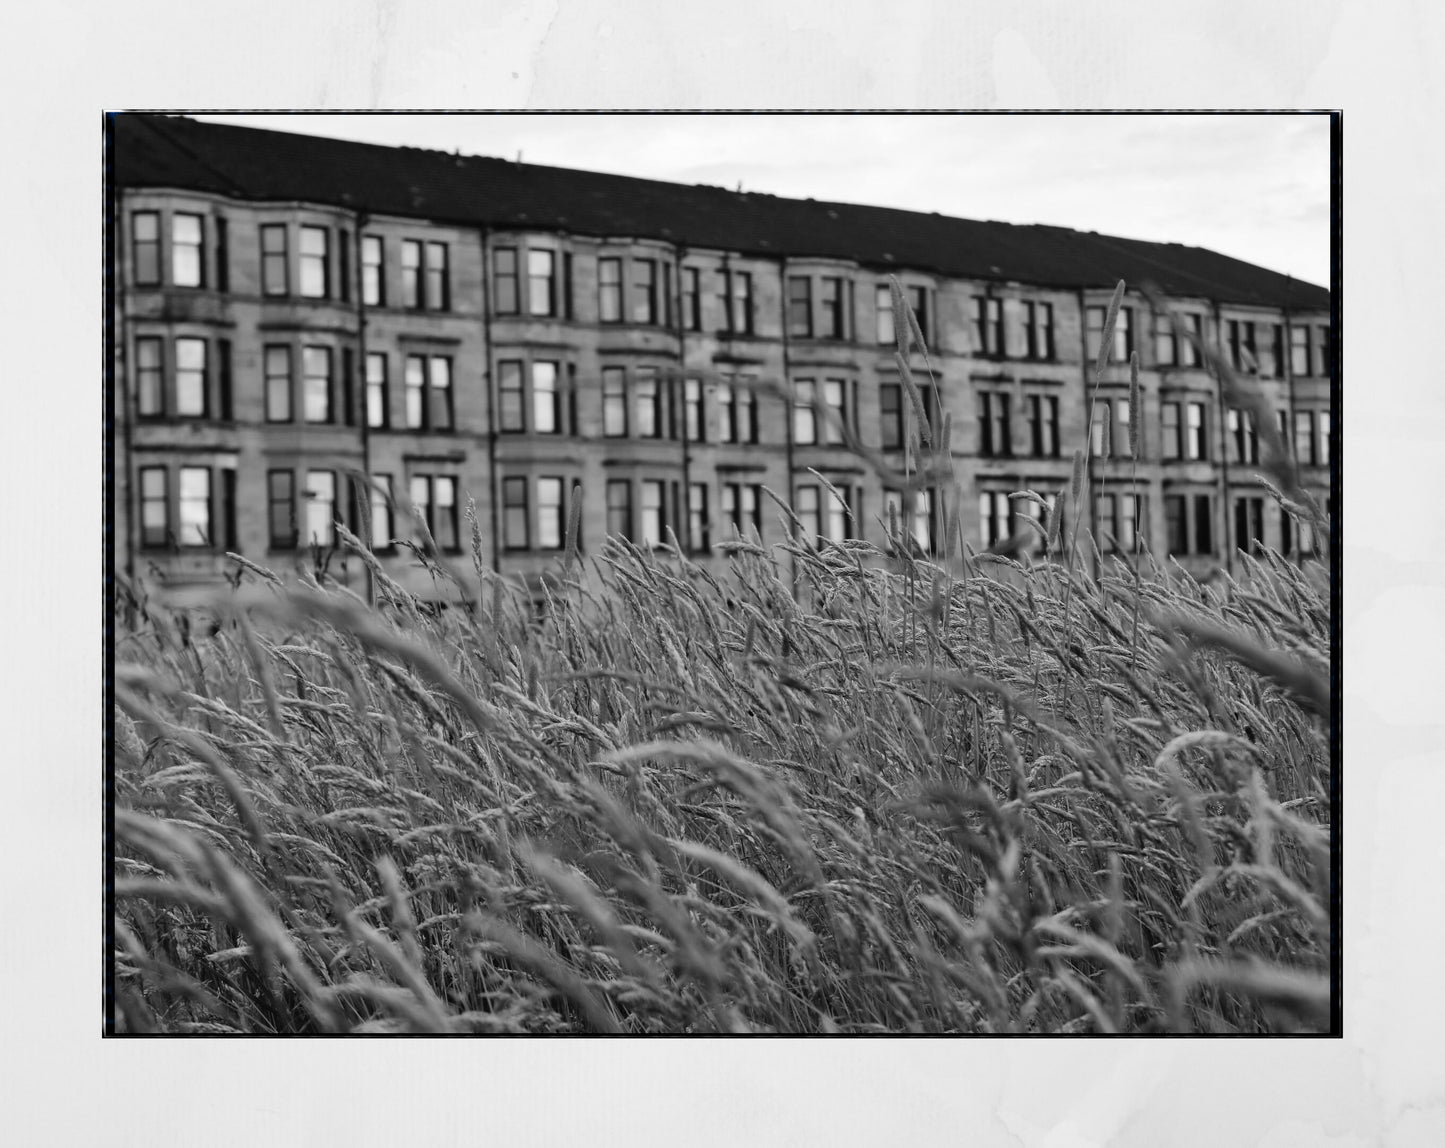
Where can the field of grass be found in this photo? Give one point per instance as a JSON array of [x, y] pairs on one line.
[[827, 790]]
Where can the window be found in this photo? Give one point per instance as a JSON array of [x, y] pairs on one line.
[[1166, 342], [316, 384], [805, 416], [742, 507], [145, 227], [223, 379], [567, 305], [550, 514], [441, 392], [1196, 441], [509, 393], [382, 531], [1194, 330], [1276, 350], [546, 401], [1327, 361], [411, 281], [1044, 425], [890, 409], [614, 402], [644, 291], [1297, 537], [1249, 524], [808, 507], [830, 299], [737, 410], [504, 281], [1325, 441], [697, 517], [373, 272], [195, 506], [1123, 333], [416, 392], [1175, 524], [273, 259], [1299, 352], [377, 403], [542, 283], [1173, 444], [1203, 524], [320, 508], [281, 509], [994, 432], [1243, 436], [835, 400], [886, 331], [619, 507], [609, 290], [434, 497], [692, 410], [154, 507], [1232, 328], [223, 259], [691, 299], [188, 267], [1304, 438], [648, 397], [653, 513], [1101, 429], [988, 326], [800, 306], [740, 302], [515, 517], [921, 529], [438, 281], [315, 263], [993, 517], [1038, 330], [1118, 519], [278, 384], [918, 298], [191, 378], [840, 514], [149, 377]]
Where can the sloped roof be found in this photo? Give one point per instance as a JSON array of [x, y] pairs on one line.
[[254, 164]]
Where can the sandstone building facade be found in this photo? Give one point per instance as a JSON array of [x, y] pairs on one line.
[[306, 331]]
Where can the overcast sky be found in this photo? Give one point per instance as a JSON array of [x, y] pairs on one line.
[[1252, 186]]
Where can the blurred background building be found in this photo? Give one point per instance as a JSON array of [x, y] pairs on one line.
[[308, 332]]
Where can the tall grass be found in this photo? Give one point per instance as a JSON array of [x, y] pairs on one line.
[[680, 801]]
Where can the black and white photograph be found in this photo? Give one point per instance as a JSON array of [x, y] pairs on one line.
[[711, 575]]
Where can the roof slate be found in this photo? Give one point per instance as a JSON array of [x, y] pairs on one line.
[[254, 164]]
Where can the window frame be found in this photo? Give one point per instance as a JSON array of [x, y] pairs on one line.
[[540, 393], [329, 541], [207, 540], [833, 326], [275, 264], [800, 307], [506, 284], [155, 373], [199, 248], [805, 399], [988, 328], [995, 425], [884, 319], [624, 485], [378, 391], [138, 247], [614, 402], [609, 289], [373, 273], [545, 279], [148, 541], [204, 373], [326, 391], [512, 506], [313, 260], [644, 285]]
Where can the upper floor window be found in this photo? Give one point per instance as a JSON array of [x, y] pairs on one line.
[[890, 411], [619, 507], [1327, 365], [504, 281], [1243, 354], [738, 301], [831, 305], [551, 513], [1194, 339], [516, 514], [150, 376], [511, 405], [918, 300], [698, 524], [320, 497], [1196, 439], [994, 512], [737, 410], [1181, 512], [838, 409], [373, 272], [1123, 345], [654, 512], [1299, 352], [377, 399], [145, 228], [609, 290], [428, 392], [278, 384], [649, 403], [191, 378], [315, 263], [1173, 437], [1243, 435], [1305, 452], [1118, 518], [692, 299], [546, 399], [273, 259], [808, 506], [742, 507], [988, 326], [994, 433], [805, 416], [1044, 425], [195, 506], [435, 499], [316, 384], [886, 331], [154, 507], [644, 291], [800, 306], [1276, 350], [693, 422], [425, 282], [1166, 341], [1249, 524], [188, 265], [542, 283], [381, 536], [1038, 330], [614, 402], [920, 525]]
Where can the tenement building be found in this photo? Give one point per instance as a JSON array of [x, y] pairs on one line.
[[309, 332]]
